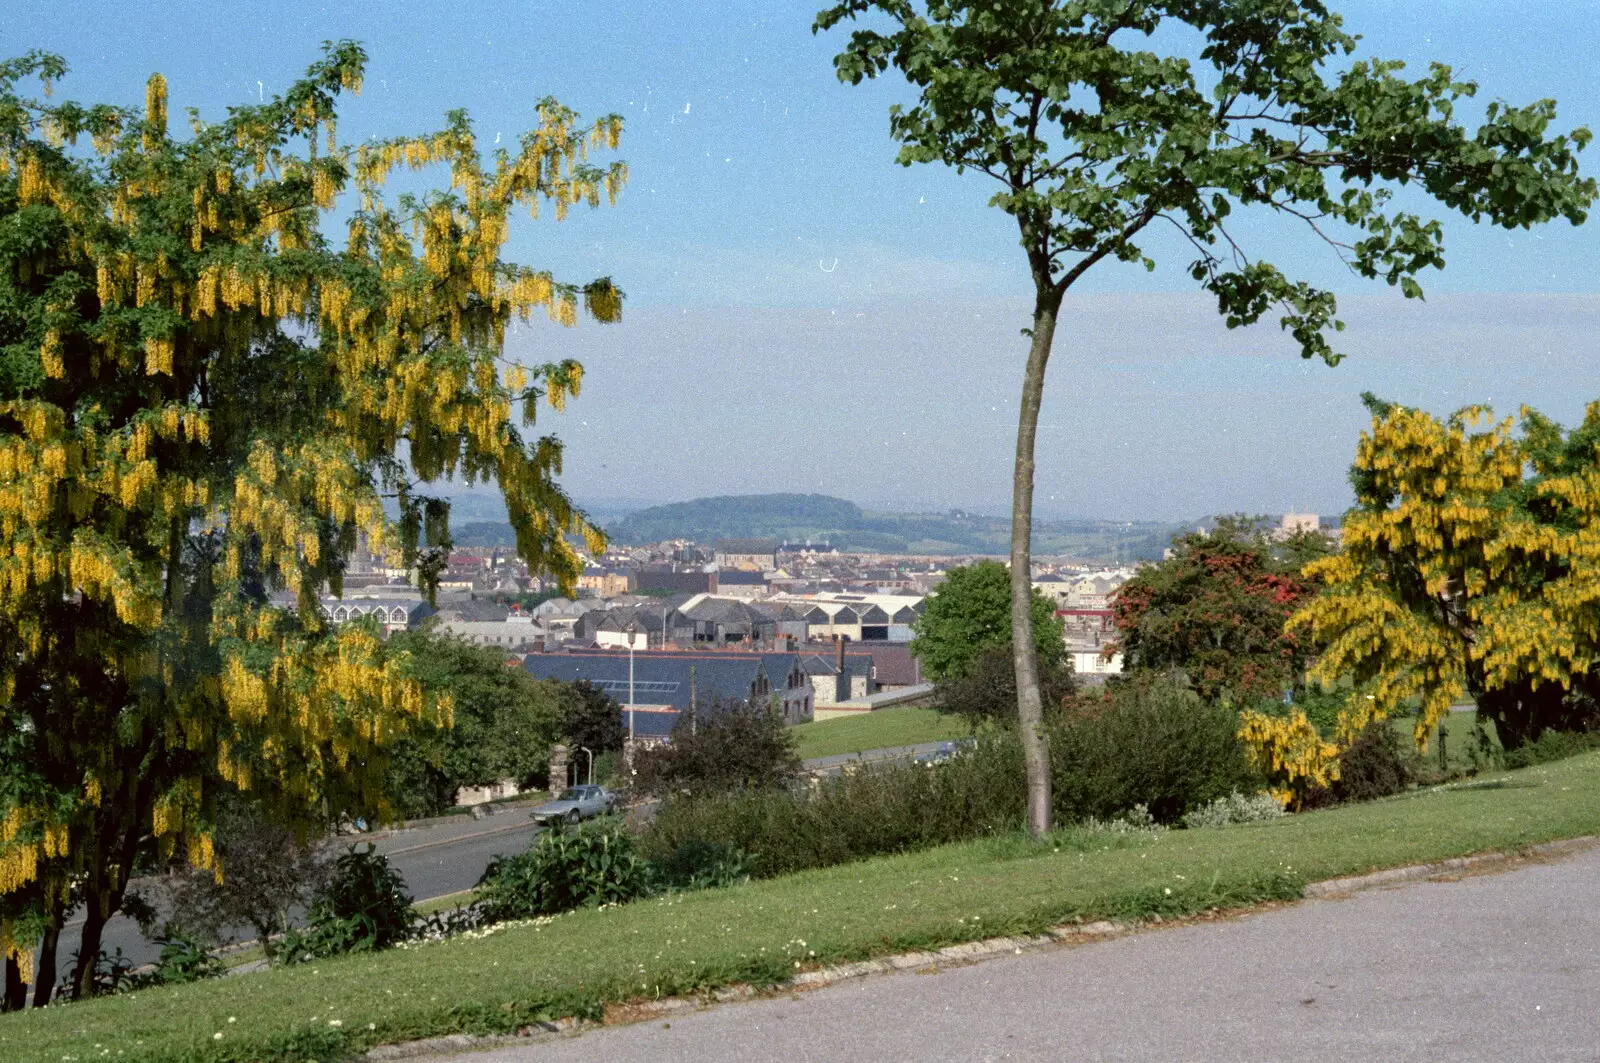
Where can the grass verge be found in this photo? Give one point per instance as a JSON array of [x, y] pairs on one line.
[[445, 902], [883, 729], [763, 931]]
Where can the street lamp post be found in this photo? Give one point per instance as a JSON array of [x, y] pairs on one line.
[[632, 631], [586, 749]]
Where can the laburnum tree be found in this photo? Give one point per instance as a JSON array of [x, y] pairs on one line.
[[225, 357], [1103, 121], [1216, 608], [1470, 568]]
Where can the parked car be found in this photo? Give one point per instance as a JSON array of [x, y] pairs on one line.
[[946, 751], [574, 804]]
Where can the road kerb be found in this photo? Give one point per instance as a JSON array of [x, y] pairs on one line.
[[1335, 887]]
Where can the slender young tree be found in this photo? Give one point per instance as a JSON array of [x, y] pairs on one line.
[[204, 400], [1097, 127]]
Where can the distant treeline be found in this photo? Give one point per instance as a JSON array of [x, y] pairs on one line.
[[843, 524]]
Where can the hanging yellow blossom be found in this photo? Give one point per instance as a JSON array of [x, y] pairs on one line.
[[258, 404]]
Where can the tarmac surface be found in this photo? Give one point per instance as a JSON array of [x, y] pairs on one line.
[[437, 857], [1490, 967], [839, 761]]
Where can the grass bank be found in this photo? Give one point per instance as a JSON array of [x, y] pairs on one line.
[[883, 729], [761, 931]]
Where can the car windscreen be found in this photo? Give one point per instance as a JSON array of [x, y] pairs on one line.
[[570, 795]]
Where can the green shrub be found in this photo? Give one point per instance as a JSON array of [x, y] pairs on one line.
[[363, 907], [987, 691], [1136, 821], [700, 864], [1377, 764], [1146, 740], [725, 745], [1145, 752], [1321, 706], [878, 809], [1552, 745], [184, 958], [608, 768], [592, 865]]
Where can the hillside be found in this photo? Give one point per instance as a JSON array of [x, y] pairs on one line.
[[822, 518]]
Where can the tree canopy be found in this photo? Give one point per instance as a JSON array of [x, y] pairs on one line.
[[987, 689], [970, 612], [504, 723], [720, 746], [1469, 567], [206, 398], [1103, 121], [1216, 608], [592, 718]]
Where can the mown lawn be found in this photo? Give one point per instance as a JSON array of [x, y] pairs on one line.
[[759, 932], [1461, 740], [883, 729]]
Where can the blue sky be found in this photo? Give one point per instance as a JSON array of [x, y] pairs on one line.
[[805, 315]]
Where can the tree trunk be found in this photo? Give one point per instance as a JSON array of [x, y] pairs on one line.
[[94, 927], [1030, 709], [44, 965], [16, 997], [1522, 713]]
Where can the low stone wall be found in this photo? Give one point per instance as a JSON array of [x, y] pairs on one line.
[[882, 700]]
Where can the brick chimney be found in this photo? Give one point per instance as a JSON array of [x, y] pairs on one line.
[[838, 659]]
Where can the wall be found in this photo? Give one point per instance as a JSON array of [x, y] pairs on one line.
[[1090, 662], [618, 640], [477, 795]]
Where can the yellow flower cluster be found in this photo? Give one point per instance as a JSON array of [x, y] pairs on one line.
[[410, 327], [327, 703], [21, 952], [1448, 527], [1290, 751]]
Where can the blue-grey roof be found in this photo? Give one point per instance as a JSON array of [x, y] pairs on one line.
[[662, 679], [779, 665], [651, 723], [658, 678]]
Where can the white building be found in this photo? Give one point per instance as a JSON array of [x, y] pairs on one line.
[[857, 617], [394, 614], [1089, 661], [514, 631]]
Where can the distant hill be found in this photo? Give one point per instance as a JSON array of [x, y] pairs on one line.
[[739, 517], [483, 533], [823, 518]]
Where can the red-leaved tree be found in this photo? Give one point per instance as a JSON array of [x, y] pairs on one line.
[[1216, 609]]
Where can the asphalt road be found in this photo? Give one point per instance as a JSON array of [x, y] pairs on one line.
[[436, 859], [839, 761], [434, 866], [1494, 968]]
